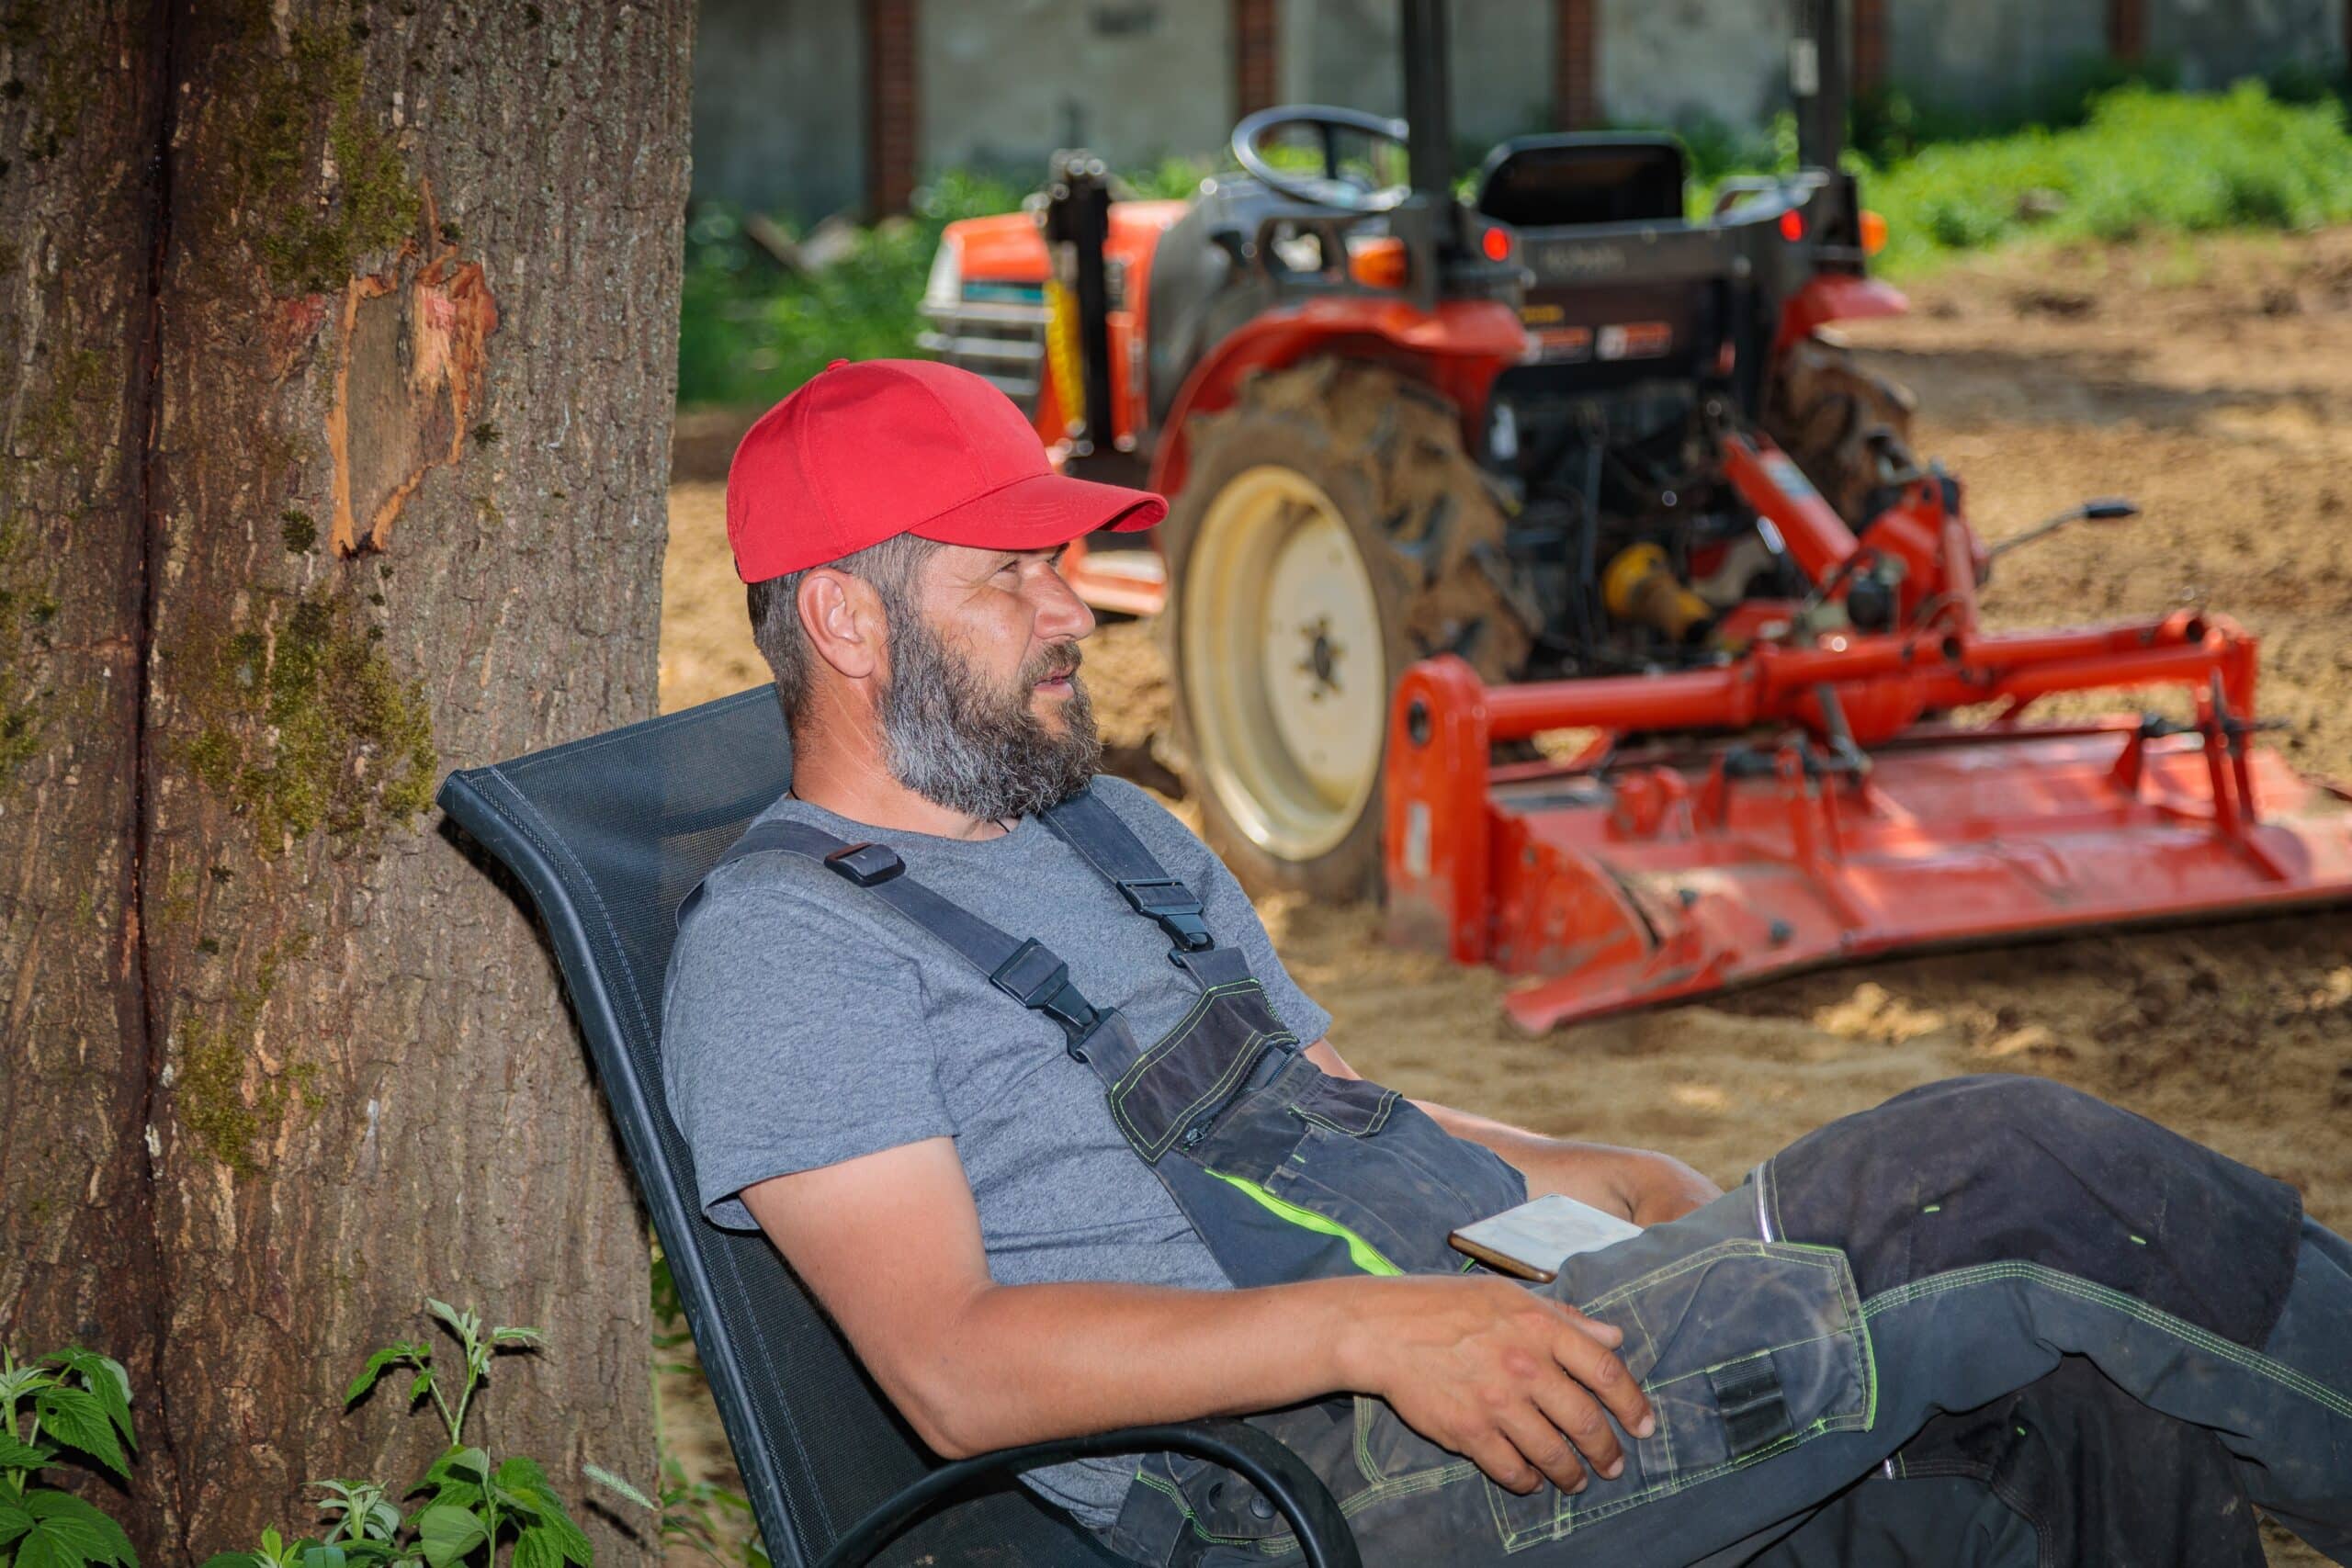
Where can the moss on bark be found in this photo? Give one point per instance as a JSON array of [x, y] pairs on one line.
[[208, 1077], [310, 240], [303, 725]]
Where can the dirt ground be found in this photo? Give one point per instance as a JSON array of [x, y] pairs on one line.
[[2208, 379]]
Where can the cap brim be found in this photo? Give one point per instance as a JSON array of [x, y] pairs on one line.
[[1042, 512]]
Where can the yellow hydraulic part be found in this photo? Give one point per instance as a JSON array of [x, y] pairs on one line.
[[1062, 357], [1639, 585]]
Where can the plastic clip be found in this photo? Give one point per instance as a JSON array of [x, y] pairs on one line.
[[1175, 907], [1040, 982], [866, 864]]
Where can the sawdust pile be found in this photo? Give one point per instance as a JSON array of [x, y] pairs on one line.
[[2211, 382]]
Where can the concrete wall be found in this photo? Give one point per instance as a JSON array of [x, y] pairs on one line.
[[1345, 53], [1669, 61], [1006, 81], [2216, 41], [1990, 53], [779, 105]]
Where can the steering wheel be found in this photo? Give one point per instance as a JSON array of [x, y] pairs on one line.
[[1330, 188]]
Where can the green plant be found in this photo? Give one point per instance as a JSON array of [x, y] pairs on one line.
[[2143, 163], [708, 1518], [670, 1329], [705, 1516], [478, 1505], [81, 1405]]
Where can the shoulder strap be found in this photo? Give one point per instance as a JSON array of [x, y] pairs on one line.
[[1111, 847], [1026, 971]]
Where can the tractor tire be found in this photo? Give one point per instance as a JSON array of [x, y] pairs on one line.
[[1331, 531], [1848, 428]]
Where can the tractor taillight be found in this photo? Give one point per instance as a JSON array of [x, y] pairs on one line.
[[1793, 225], [1495, 243], [1378, 262], [1874, 233]]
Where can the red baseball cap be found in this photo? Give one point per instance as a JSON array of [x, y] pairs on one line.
[[866, 451]]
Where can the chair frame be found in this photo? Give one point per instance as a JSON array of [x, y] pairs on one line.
[[501, 818]]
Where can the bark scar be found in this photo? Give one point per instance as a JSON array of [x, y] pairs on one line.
[[410, 375]]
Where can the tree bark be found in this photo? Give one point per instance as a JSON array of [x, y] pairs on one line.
[[80, 114], [341, 353]]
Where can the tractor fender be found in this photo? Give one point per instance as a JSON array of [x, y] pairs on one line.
[[1834, 297], [1458, 348]]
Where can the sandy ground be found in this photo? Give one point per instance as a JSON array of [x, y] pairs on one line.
[[2211, 382]]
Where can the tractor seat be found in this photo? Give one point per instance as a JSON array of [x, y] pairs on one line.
[[1583, 178]]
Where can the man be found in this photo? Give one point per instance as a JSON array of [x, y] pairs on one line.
[[1001, 1058]]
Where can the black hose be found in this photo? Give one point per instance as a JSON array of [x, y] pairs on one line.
[[1585, 590]]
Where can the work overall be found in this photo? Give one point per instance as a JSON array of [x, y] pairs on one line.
[[1760, 1326]]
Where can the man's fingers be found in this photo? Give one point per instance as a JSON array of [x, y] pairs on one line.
[[1600, 1369], [1504, 1466], [1578, 1418], [1609, 1334], [1539, 1435]]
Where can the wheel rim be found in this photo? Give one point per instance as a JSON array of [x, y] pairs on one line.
[[1283, 666]]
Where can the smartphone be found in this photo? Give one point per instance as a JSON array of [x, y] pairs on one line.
[[1532, 1241]]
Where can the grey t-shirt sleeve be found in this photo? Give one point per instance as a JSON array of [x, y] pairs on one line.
[[1226, 909], [790, 1041]]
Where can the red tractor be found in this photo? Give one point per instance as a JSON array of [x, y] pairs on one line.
[[1537, 559]]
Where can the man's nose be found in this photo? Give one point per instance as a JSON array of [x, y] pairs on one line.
[[1061, 613]]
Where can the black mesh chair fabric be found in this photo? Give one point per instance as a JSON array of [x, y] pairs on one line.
[[608, 834]]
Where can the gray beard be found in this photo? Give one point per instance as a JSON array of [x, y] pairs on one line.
[[960, 745]]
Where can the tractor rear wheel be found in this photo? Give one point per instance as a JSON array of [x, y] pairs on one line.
[[1848, 428], [1331, 531]]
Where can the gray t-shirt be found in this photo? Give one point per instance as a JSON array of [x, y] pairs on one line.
[[806, 1022]]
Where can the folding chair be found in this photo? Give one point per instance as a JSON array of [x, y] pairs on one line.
[[608, 835]]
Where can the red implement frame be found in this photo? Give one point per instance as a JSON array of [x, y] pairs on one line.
[[1687, 865]]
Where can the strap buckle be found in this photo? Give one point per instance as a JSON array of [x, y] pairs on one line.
[[866, 864], [1040, 982], [1174, 907]]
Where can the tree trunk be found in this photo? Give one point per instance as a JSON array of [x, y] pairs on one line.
[[339, 349], [80, 113]]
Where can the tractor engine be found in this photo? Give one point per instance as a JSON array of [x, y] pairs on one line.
[[1632, 544]]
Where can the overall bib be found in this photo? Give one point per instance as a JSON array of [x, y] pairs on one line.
[[1751, 1323]]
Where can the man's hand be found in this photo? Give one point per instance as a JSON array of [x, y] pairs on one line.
[[1647, 1188], [1515, 1382]]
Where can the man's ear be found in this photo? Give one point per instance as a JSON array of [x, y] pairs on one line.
[[842, 617]]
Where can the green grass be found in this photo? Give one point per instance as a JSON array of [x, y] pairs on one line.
[[2144, 162], [748, 332], [2140, 162]]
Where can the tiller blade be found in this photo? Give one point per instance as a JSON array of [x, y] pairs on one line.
[[1679, 866]]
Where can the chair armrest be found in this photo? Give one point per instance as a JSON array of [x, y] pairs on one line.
[[1297, 1492]]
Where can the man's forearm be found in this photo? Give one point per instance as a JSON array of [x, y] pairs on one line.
[[1522, 1385], [1024, 1363]]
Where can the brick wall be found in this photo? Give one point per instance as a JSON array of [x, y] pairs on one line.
[[1257, 56], [2127, 29], [893, 110], [1576, 42], [1869, 44]]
